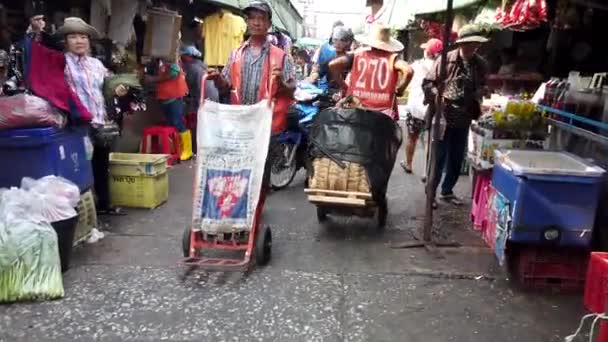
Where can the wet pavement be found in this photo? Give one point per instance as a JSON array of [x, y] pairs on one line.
[[339, 281]]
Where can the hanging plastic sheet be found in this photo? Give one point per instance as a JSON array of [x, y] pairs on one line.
[[502, 209]]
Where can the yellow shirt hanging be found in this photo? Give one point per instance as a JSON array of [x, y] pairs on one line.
[[223, 32]]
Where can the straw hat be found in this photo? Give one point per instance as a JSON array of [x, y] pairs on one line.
[[379, 37], [470, 34], [77, 25]]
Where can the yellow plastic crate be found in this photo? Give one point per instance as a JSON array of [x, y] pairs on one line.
[[136, 164], [138, 180]]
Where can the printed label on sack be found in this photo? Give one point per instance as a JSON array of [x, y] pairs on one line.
[[124, 179], [75, 161], [61, 152], [226, 194], [88, 148]]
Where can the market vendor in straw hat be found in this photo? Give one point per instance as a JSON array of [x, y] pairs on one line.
[[462, 95], [86, 76], [375, 81]]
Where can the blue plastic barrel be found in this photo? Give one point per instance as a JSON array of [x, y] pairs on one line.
[[39, 152]]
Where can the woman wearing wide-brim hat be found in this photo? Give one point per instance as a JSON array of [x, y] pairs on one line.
[[375, 81], [86, 76]]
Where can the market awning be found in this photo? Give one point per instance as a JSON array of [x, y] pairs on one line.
[[277, 22], [434, 6], [307, 41], [234, 4], [401, 13]]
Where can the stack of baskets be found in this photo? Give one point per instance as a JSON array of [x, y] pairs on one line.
[[328, 175], [87, 217]]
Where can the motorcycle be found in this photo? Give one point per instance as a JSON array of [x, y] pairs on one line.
[[290, 150]]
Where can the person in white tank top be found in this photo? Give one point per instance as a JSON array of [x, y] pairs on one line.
[[416, 108]]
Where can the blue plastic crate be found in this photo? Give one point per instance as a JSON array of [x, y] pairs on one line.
[[39, 152], [545, 200]]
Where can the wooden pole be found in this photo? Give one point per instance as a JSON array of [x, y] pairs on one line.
[[435, 134]]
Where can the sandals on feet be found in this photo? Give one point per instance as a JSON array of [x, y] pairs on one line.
[[452, 199], [405, 167]]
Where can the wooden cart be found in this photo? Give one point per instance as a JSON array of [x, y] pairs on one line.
[[347, 203]]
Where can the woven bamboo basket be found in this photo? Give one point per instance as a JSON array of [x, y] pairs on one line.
[[330, 176]]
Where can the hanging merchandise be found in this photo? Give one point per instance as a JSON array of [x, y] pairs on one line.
[[222, 32], [522, 14]]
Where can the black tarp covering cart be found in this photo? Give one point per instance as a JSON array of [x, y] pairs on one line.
[[352, 154]]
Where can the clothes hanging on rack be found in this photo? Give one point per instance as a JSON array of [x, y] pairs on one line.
[[222, 32]]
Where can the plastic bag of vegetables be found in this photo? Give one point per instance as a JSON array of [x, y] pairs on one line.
[[29, 257]]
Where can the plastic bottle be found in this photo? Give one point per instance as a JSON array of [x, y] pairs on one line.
[[549, 92], [561, 95], [557, 90]]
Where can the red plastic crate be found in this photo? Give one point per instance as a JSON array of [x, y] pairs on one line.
[[551, 268], [596, 284]]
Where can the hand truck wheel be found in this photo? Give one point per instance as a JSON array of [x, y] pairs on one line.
[[382, 213], [186, 242], [321, 214], [263, 246]]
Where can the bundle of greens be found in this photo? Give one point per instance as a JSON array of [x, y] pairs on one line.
[[29, 256]]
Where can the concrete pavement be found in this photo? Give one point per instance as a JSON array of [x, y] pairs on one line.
[[334, 282]]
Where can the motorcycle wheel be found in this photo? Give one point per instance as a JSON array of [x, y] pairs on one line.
[[282, 172]]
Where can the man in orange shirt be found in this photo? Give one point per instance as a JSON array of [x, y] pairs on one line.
[[258, 70], [375, 70]]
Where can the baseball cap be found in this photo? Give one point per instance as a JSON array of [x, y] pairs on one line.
[[258, 5], [190, 50], [433, 46]]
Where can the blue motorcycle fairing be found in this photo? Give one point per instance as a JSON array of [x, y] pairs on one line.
[[290, 137]]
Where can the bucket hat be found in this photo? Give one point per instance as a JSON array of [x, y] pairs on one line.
[[77, 25], [470, 34]]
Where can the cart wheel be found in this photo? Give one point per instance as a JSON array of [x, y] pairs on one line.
[[186, 242], [282, 172], [263, 246], [321, 214], [382, 213]]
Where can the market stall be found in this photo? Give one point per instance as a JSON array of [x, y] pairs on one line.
[[536, 205]]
